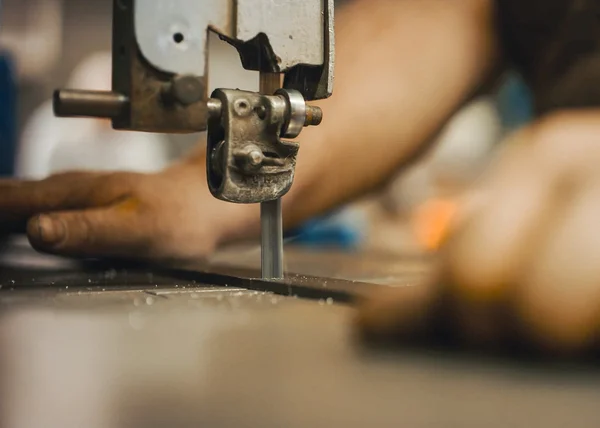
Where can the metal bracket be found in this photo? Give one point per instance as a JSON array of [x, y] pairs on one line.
[[160, 54], [248, 162]]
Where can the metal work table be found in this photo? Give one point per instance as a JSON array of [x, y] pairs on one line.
[[131, 347]]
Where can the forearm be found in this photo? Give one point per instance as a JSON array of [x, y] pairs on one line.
[[403, 67]]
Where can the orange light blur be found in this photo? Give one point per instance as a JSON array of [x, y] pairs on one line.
[[431, 222]]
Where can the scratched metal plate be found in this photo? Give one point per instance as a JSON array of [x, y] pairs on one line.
[[131, 348]]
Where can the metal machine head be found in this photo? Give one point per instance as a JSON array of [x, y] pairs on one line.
[[160, 57], [159, 84]]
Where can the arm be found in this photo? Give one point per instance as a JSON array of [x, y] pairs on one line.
[[403, 68]]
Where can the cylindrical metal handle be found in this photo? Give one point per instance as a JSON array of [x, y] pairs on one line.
[[80, 103], [314, 116]]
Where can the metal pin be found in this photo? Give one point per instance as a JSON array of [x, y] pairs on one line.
[[271, 243], [80, 103], [270, 212]]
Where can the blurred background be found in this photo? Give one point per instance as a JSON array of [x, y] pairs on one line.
[[46, 44]]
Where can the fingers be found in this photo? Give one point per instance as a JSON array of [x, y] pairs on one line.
[[489, 240], [559, 298], [117, 231], [66, 191], [20, 200], [484, 260]]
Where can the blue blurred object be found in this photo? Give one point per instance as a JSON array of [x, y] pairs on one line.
[[8, 115], [515, 102], [343, 229]]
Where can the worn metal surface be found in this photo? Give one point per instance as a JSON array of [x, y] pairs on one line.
[[201, 357], [295, 29], [152, 280], [144, 84], [317, 82], [133, 349], [249, 123], [140, 85], [305, 274], [173, 34], [372, 268], [156, 43]]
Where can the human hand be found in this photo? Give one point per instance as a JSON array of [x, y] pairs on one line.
[[169, 215], [521, 264]]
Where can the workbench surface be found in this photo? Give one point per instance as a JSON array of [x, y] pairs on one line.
[[100, 346]]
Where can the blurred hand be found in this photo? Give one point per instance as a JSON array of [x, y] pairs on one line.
[[169, 215], [521, 264]]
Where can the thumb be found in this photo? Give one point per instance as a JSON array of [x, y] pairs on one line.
[[105, 232]]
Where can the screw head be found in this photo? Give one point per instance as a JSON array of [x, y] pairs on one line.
[[255, 157], [186, 89], [242, 107], [250, 159]]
